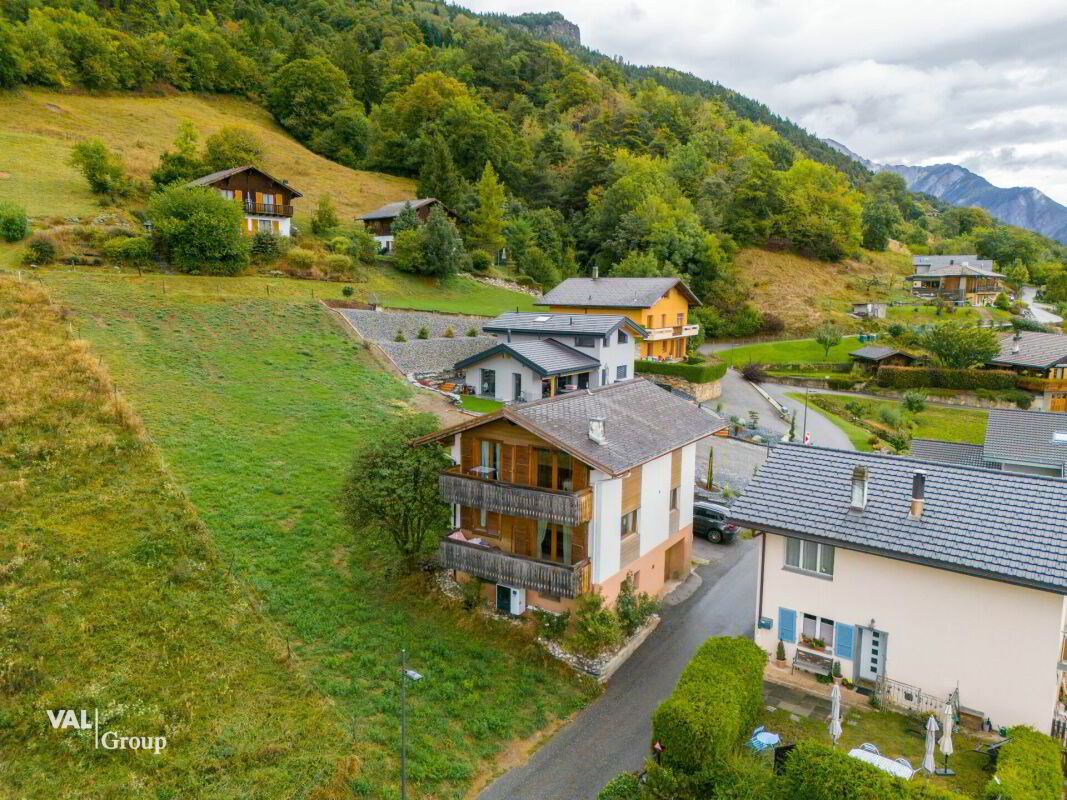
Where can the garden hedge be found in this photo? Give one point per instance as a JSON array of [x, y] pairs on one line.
[[831, 366], [621, 787], [714, 706], [815, 771], [694, 373], [942, 378], [1028, 768]]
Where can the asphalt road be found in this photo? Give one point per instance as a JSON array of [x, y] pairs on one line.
[[1040, 312], [613, 734]]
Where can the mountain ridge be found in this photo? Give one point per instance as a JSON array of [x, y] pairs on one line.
[[1024, 206]]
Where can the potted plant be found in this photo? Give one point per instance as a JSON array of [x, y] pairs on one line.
[[779, 655], [835, 672]]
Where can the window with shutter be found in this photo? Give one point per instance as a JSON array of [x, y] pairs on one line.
[[843, 640], [787, 625]]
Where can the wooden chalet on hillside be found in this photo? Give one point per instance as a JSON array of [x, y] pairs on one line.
[[266, 201]]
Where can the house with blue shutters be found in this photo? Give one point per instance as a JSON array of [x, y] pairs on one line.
[[927, 582]]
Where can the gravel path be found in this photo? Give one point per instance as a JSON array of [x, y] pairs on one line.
[[381, 326], [434, 355]]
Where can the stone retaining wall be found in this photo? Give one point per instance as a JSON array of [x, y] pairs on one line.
[[701, 392]]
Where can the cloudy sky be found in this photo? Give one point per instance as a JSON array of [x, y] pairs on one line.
[[982, 84]]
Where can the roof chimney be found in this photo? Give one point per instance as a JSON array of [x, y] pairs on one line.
[[1015, 342], [596, 272], [859, 489], [918, 494], [596, 430]]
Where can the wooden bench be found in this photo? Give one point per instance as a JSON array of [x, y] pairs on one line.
[[812, 662]]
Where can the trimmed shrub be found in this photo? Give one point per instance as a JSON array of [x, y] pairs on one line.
[[481, 261], [943, 378], [301, 258], [14, 224], [449, 333], [338, 263], [348, 291], [913, 401], [621, 787], [840, 384], [41, 250], [1028, 768], [265, 246], [424, 333], [694, 373], [715, 704], [129, 249]]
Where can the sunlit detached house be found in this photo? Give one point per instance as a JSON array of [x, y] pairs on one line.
[[927, 582], [567, 495]]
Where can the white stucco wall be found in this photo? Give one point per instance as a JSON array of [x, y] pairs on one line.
[[284, 223], [610, 354], [605, 528], [505, 367], [685, 491], [999, 643], [653, 519]]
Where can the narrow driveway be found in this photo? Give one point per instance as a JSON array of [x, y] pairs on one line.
[[1038, 311], [613, 734], [823, 432]]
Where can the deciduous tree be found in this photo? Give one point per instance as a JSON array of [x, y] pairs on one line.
[[960, 346]]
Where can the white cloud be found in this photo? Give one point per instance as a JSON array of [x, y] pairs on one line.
[[913, 81]]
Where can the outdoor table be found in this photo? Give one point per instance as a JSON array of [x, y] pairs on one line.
[[882, 763], [483, 471]]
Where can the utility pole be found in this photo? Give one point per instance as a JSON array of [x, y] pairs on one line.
[[805, 426]]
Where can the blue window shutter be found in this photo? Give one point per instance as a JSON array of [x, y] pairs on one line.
[[843, 640], [787, 625]]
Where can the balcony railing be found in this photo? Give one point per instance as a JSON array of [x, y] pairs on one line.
[[546, 577], [674, 332], [268, 209], [530, 502]]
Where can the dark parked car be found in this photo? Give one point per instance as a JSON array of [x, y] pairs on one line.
[[709, 521]]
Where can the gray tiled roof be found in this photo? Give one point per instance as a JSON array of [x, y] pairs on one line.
[[544, 356], [614, 292], [1036, 350], [642, 422], [999, 525], [967, 455], [875, 353], [1026, 437], [392, 210], [936, 262], [214, 177], [601, 325]]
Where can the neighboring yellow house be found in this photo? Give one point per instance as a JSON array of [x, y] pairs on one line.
[[660, 305]]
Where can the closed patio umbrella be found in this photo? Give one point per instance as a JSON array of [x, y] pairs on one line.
[[945, 746], [931, 737], [835, 714]]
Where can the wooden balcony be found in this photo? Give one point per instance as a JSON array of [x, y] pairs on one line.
[[1036, 384], [268, 209], [530, 502], [673, 332], [488, 563]]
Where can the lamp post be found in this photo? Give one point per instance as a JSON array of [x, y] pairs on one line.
[[405, 676], [805, 425]]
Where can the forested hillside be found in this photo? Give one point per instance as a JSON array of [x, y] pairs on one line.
[[637, 170]]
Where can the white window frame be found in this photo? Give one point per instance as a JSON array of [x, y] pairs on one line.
[[805, 548]]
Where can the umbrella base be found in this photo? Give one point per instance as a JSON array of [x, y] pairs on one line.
[[944, 772]]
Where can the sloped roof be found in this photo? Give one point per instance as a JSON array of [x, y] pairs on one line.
[[967, 455], [215, 177], [950, 260], [602, 325], [614, 292], [1026, 437], [875, 353], [642, 422], [999, 525], [392, 210], [544, 356], [1036, 350]]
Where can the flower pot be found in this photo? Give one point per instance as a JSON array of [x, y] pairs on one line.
[[837, 679]]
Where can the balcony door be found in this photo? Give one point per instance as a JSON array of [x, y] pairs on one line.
[[554, 542], [555, 470]]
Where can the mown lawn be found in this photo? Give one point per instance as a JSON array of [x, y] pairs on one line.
[[115, 598], [460, 295], [922, 315], [257, 405], [482, 405], [947, 423], [892, 733], [794, 351]]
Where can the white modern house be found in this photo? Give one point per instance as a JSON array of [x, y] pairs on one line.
[[567, 495], [927, 582], [543, 355]]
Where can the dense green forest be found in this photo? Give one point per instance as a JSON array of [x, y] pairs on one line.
[[568, 157]]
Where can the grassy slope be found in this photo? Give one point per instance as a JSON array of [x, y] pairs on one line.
[[40, 127], [114, 597], [804, 292], [947, 423], [257, 405], [459, 295], [793, 351]]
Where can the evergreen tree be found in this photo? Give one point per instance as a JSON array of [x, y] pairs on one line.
[[487, 220], [442, 248], [438, 176], [183, 164], [406, 220]]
